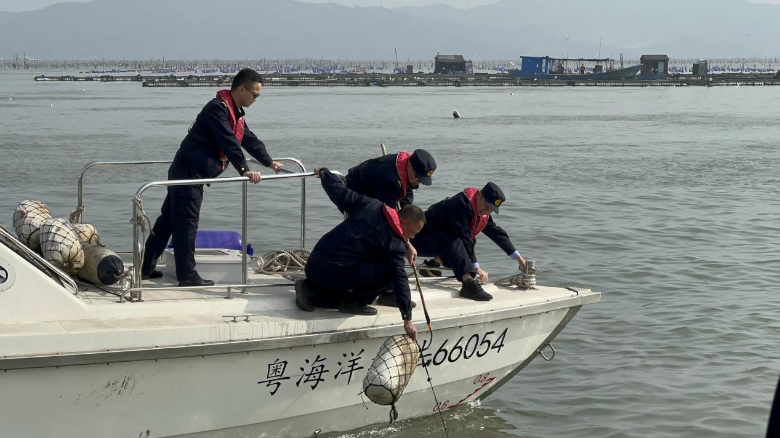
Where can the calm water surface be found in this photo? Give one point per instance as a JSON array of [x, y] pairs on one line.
[[666, 200]]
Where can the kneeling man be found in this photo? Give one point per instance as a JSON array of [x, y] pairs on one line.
[[450, 233], [362, 256]]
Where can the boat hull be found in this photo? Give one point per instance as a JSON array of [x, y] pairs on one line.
[[288, 391]]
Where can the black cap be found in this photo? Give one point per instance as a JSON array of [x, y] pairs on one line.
[[423, 164], [494, 197]]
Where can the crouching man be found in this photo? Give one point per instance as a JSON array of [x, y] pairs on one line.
[[362, 256], [450, 233]]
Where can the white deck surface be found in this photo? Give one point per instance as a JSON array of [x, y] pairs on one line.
[[169, 316]]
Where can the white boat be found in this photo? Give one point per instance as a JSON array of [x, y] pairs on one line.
[[78, 360]]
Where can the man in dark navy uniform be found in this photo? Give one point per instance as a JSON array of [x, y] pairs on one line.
[[450, 232], [391, 178], [216, 138], [361, 257], [773, 427]]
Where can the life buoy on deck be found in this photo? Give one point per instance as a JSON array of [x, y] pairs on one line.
[[101, 265], [87, 233], [60, 245], [28, 218]]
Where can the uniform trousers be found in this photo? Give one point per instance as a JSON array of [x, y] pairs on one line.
[[178, 219], [332, 285], [434, 243]]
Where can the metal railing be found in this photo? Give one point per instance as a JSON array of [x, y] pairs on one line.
[[136, 290], [76, 215]]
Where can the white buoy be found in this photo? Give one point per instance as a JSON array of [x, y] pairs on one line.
[[456, 114], [51, 104], [60, 245], [101, 266], [391, 370], [87, 233], [28, 218]]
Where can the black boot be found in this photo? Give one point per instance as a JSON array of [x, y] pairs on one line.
[[303, 296], [154, 274], [388, 299], [426, 271], [355, 308], [473, 290], [195, 280]]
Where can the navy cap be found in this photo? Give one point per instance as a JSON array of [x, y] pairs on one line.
[[423, 164], [494, 197]]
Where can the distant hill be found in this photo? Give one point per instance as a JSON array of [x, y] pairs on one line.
[[208, 29], [680, 28]]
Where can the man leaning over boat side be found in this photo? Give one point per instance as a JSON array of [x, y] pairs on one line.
[[392, 178], [216, 138], [361, 257], [450, 233]]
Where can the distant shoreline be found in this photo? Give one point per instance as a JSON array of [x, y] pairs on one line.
[[286, 66]]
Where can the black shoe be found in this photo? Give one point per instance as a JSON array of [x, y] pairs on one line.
[[388, 299], [357, 309], [473, 290], [154, 274], [303, 296], [196, 281], [426, 270]]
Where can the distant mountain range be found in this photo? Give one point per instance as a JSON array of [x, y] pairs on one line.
[[251, 29]]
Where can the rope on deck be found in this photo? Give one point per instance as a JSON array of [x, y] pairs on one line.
[[524, 280], [288, 264], [521, 280]]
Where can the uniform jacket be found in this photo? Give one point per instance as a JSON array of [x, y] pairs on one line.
[[378, 178], [199, 153], [453, 216], [365, 237]]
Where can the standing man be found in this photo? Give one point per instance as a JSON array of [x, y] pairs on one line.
[[361, 257], [391, 178], [451, 230], [216, 138]]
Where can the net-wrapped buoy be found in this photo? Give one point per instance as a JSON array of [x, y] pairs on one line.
[[391, 370], [101, 265], [28, 218], [60, 245], [87, 233]]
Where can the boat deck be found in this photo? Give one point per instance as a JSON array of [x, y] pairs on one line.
[[170, 316]]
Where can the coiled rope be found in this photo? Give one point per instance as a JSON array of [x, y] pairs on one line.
[[526, 279], [288, 264], [521, 280]]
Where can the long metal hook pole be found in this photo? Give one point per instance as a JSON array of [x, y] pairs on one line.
[[422, 299]]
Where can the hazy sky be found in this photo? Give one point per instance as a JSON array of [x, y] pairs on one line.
[[27, 5]]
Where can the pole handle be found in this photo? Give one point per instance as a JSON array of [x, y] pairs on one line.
[[422, 298]]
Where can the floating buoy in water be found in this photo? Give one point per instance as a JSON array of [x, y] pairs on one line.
[[456, 114], [391, 371], [51, 104], [101, 265], [28, 218]]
